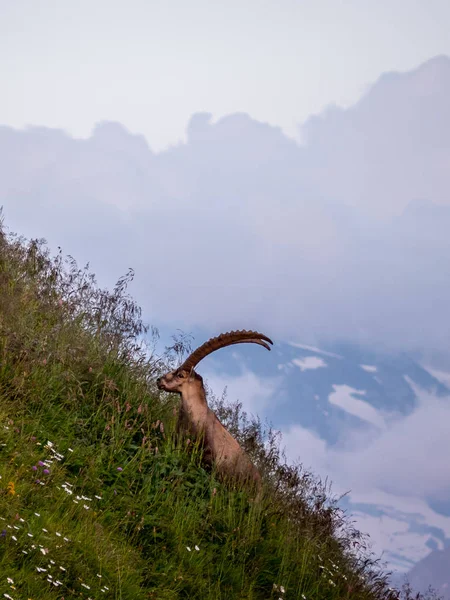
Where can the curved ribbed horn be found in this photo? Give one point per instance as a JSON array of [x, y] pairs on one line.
[[223, 340]]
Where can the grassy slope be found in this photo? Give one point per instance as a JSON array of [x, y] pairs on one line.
[[96, 499]]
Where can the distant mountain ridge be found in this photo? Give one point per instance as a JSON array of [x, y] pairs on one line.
[[376, 380], [435, 568], [341, 392]]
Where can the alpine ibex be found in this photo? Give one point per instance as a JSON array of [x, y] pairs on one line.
[[198, 419]]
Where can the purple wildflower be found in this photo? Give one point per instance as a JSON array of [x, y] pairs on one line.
[[119, 469], [34, 467], [41, 464], [46, 471]]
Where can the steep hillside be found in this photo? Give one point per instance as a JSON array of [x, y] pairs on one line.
[[98, 500]]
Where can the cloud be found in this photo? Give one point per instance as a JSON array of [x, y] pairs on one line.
[[399, 471], [343, 396], [389, 148], [309, 362], [240, 227], [369, 368], [253, 391], [396, 459]]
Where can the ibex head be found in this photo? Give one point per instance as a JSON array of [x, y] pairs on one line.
[[177, 380]]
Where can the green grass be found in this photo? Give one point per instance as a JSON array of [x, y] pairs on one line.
[[98, 499]]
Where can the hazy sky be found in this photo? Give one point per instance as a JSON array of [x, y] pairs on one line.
[[151, 64]]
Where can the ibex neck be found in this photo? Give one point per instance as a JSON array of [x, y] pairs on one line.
[[194, 406], [193, 395]]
